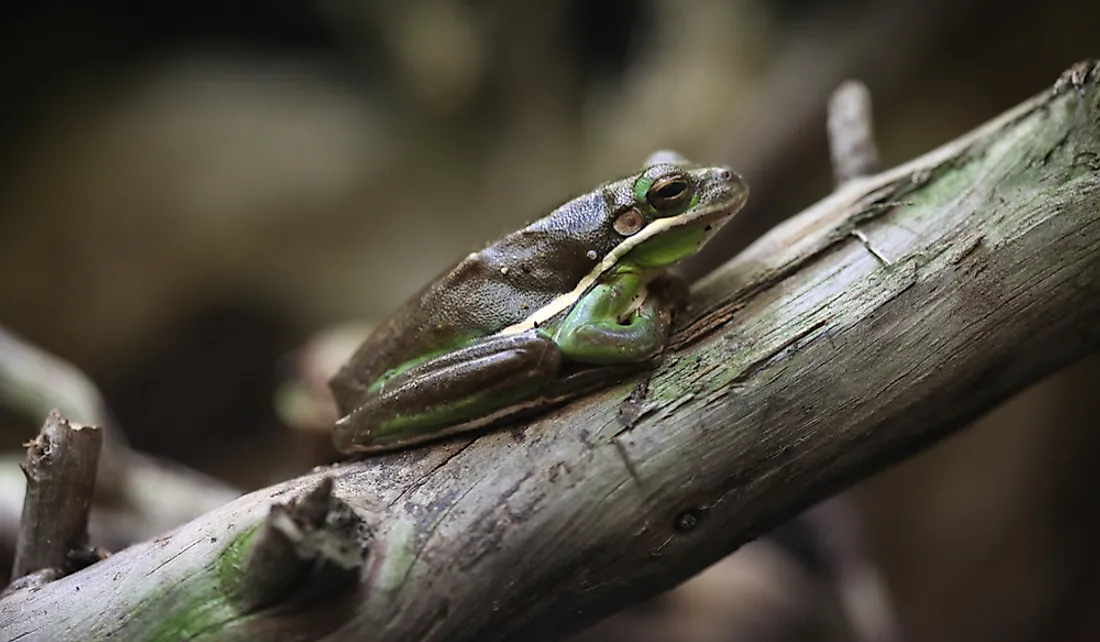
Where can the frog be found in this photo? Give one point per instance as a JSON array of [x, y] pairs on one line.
[[574, 301]]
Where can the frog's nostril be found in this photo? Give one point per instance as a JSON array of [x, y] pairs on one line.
[[724, 174]]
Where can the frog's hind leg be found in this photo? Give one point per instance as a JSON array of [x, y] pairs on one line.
[[477, 380]]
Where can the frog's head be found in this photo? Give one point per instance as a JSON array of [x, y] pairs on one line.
[[677, 207], [649, 220]]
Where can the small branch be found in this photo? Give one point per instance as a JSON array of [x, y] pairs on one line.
[[152, 498], [304, 551], [851, 133], [60, 470]]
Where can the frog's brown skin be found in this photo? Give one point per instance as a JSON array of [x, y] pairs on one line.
[[493, 331], [510, 279]]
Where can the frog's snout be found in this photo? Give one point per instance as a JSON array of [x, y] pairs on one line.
[[727, 176], [727, 187]]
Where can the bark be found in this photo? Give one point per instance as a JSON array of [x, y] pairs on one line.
[[60, 469], [805, 364]]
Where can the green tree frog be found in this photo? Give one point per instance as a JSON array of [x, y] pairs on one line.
[[538, 315]]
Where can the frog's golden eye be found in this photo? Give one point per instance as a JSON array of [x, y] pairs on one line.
[[630, 222], [669, 195]]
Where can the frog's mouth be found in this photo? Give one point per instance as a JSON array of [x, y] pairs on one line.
[[712, 220], [731, 202]]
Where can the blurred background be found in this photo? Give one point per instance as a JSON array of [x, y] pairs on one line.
[[193, 195]]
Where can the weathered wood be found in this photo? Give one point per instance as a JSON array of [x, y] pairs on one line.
[[307, 550], [805, 364], [60, 470]]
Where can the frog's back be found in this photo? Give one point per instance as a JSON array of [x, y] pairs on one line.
[[487, 291]]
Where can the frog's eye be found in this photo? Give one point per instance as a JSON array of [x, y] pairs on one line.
[[669, 195], [630, 222]]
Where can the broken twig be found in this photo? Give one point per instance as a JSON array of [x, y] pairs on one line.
[[60, 470], [304, 550]]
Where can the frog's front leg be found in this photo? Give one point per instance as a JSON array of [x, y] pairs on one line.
[[607, 327], [414, 403]]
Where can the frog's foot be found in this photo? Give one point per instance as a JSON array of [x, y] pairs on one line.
[[442, 394], [605, 341]]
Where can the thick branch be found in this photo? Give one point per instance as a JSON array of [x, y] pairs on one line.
[[805, 364]]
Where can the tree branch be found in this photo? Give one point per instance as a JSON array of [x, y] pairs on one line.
[[306, 550], [60, 469], [804, 364], [851, 132]]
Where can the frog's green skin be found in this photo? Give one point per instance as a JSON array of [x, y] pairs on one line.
[[495, 334]]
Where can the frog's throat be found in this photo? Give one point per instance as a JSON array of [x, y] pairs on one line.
[[564, 301]]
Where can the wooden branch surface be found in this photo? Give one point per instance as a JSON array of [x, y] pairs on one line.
[[60, 469], [806, 363]]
